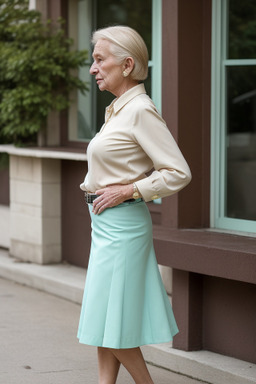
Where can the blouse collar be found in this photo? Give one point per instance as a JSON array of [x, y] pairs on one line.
[[117, 104]]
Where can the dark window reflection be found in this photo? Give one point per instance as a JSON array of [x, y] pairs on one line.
[[241, 142], [242, 29], [135, 14]]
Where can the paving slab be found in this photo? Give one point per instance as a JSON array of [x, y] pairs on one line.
[[67, 282], [39, 344]]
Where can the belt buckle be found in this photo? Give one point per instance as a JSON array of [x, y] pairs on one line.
[[89, 197]]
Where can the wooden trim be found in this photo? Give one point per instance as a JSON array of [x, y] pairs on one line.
[[206, 252], [186, 105], [188, 310], [206, 113], [169, 214]]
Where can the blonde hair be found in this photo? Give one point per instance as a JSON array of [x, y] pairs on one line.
[[126, 42]]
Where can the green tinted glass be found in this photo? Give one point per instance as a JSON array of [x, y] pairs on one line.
[[241, 142], [242, 29], [122, 12]]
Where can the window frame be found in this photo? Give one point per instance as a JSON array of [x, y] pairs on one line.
[[155, 64], [218, 220]]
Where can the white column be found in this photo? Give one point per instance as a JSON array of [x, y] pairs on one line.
[[32, 4], [35, 194], [4, 226]]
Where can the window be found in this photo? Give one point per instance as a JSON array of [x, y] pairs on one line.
[[86, 114], [233, 181]]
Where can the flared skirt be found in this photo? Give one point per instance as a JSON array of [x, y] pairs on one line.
[[125, 304]]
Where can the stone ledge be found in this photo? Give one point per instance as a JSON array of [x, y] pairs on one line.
[[205, 366], [67, 281], [62, 280], [49, 153]]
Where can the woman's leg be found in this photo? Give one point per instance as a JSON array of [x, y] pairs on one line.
[[133, 360], [108, 366]]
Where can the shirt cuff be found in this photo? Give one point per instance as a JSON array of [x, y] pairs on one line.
[[146, 189]]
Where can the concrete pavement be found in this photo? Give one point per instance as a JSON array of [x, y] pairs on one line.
[[39, 344], [67, 282]]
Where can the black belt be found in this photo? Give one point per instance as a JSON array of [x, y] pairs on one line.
[[90, 197]]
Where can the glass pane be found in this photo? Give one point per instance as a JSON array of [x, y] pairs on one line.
[[122, 12], [136, 14], [86, 114], [80, 126], [242, 29], [241, 143]]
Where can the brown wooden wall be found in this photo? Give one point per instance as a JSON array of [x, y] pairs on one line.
[[186, 104], [4, 185], [214, 274], [76, 225], [229, 318]]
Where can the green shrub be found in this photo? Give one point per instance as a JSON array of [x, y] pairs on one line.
[[38, 69]]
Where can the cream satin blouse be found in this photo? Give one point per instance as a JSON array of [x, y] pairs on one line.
[[133, 141]]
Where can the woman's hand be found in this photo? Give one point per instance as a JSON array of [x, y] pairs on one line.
[[111, 196]]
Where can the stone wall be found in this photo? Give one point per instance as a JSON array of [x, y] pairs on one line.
[[35, 209]]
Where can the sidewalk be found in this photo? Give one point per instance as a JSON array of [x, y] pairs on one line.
[[38, 335], [39, 344]]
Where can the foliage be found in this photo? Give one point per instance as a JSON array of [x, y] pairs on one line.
[[38, 69]]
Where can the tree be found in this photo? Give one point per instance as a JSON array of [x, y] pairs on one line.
[[38, 70]]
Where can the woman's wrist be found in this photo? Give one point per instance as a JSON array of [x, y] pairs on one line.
[[129, 191]]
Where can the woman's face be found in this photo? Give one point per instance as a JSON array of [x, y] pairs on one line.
[[107, 72]]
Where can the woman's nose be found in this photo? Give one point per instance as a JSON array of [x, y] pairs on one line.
[[93, 69]]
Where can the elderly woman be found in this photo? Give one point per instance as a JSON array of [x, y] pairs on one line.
[[125, 304]]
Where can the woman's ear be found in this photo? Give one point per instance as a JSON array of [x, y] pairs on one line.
[[128, 65]]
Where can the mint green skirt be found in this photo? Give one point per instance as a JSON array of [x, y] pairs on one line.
[[125, 304]]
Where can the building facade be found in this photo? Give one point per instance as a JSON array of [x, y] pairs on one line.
[[202, 79]]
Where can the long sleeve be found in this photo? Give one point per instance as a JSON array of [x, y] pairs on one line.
[[171, 171]]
